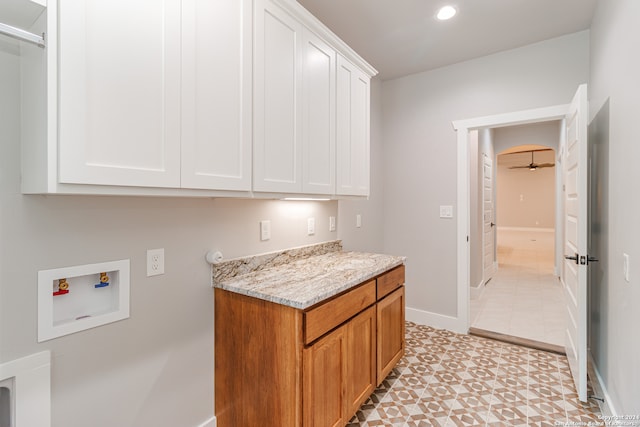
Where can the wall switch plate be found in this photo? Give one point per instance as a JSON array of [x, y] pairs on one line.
[[446, 211], [155, 262], [311, 226], [265, 230], [332, 223], [625, 266], [358, 221]]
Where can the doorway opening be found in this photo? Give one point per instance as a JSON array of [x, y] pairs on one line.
[[573, 226], [516, 294]]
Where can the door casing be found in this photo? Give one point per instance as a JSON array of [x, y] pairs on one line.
[[463, 127]]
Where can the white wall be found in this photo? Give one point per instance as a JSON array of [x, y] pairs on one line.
[[615, 69], [545, 133], [369, 237], [526, 198], [155, 368], [420, 150]]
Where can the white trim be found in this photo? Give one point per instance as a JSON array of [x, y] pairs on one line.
[[435, 320], [211, 422], [542, 230], [463, 127], [536, 115], [607, 407], [32, 388], [476, 291]]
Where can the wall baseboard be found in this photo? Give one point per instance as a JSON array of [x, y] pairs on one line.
[[608, 408], [209, 423], [435, 320], [477, 290]]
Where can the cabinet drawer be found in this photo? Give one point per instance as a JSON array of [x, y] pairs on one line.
[[390, 281], [327, 316]]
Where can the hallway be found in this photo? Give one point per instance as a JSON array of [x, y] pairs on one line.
[[524, 298]]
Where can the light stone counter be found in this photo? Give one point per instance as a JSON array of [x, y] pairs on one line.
[[301, 277]]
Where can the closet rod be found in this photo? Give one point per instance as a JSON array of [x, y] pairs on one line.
[[23, 35]]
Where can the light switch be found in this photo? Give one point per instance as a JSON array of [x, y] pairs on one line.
[[311, 226], [446, 211], [358, 221], [625, 266], [265, 230], [332, 223]]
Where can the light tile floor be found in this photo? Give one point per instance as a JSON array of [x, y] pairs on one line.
[[524, 298], [448, 379]]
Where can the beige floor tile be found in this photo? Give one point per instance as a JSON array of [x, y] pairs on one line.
[[524, 298]]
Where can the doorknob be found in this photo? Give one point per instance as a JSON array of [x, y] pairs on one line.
[[492, 224], [573, 258]]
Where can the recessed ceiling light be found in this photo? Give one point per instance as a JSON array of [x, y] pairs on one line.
[[446, 12]]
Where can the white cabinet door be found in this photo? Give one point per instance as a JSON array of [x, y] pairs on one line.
[[352, 130], [119, 93], [318, 128], [277, 93], [216, 94]]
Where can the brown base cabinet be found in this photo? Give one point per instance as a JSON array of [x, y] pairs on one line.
[[280, 366]]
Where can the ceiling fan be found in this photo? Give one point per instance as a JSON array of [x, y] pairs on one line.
[[533, 165]]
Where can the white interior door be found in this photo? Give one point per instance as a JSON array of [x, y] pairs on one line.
[[575, 243], [488, 239]]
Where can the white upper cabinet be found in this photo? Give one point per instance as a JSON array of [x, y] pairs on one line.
[[318, 116], [352, 130], [192, 98], [311, 106], [216, 94], [119, 92], [148, 97], [277, 163]]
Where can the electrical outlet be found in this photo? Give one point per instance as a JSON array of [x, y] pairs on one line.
[[265, 230], [155, 262], [332, 223], [311, 226], [446, 211]]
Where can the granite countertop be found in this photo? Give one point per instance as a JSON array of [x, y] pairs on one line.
[[301, 277]]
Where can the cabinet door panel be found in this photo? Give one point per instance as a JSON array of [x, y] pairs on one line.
[[352, 124], [319, 140], [216, 94], [119, 92], [324, 381], [390, 334], [361, 360], [277, 124]]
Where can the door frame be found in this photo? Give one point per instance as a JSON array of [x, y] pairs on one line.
[[463, 127]]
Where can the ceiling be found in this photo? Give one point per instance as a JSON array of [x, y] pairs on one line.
[[524, 158], [401, 37]]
